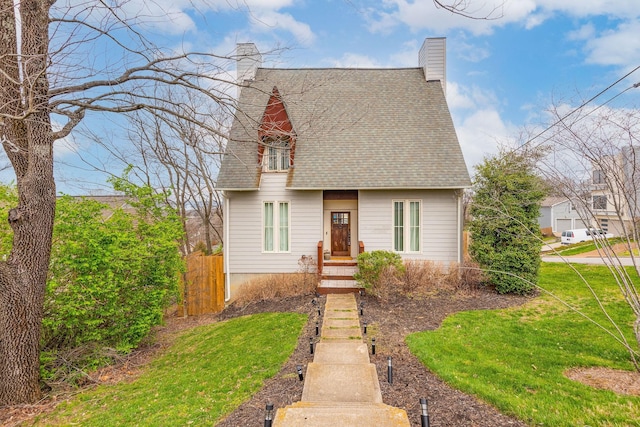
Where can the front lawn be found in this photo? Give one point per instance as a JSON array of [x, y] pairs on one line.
[[582, 247], [515, 359], [206, 374]]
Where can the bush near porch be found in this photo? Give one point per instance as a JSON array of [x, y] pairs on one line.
[[382, 273]]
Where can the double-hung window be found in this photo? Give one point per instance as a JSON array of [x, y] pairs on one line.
[[275, 227], [598, 177], [406, 225], [599, 203], [278, 156]]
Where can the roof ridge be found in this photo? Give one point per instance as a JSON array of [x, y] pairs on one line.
[[340, 68]]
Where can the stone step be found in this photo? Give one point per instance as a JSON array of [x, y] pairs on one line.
[[344, 332], [341, 302], [349, 286], [337, 278], [339, 270], [341, 383], [325, 290], [343, 415], [341, 353]]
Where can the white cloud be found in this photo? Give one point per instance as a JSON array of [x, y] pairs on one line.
[[65, 146], [421, 15], [583, 8], [174, 17], [257, 4], [481, 134], [424, 15], [535, 19], [352, 60], [169, 16], [478, 122], [585, 32], [266, 21], [460, 97], [472, 52], [457, 98], [620, 46]]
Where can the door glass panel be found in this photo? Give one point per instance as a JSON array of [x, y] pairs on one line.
[[340, 218]]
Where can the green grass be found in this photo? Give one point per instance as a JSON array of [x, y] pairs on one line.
[[204, 375], [514, 359], [582, 247]]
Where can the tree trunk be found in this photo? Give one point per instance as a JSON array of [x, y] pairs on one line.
[[27, 139]]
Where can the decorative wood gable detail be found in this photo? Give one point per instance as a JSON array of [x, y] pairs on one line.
[[275, 124]]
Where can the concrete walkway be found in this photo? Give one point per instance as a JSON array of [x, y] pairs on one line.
[[341, 385]]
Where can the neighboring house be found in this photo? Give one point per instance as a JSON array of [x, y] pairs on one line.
[[558, 214], [340, 160], [615, 191]]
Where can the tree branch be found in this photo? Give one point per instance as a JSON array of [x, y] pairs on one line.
[[461, 7]]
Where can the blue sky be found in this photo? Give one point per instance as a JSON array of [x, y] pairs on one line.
[[501, 73]]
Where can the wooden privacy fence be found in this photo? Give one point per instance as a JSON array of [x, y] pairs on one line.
[[203, 284]]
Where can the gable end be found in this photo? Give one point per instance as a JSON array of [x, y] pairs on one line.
[[274, 125]]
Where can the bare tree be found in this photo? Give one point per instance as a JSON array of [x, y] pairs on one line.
[[595, 162], [49, 71], [182, 159]]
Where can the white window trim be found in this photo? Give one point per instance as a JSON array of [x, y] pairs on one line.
[[406, 227], [276, 227], [606, 202], [283, 150]]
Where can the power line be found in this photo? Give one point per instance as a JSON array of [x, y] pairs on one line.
[[584, 104]]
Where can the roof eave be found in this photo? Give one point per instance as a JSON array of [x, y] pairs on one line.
[[461, 187], [238, 189]]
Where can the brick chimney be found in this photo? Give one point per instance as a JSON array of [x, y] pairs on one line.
[[249, 59], [433, 60]]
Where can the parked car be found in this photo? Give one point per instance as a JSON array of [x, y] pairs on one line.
[[582, 235]]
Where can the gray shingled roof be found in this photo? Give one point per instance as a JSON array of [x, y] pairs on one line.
[[355, 129]]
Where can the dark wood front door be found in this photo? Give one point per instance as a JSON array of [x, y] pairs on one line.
[[340, 234]]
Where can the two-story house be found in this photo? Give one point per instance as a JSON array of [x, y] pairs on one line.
[[339, 160], [615, 191], [560, 213]]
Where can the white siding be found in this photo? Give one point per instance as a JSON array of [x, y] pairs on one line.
[[244, 242], [433, 60], [440, 228], [564, 211]]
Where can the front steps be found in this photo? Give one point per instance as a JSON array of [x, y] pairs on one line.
[[337, 277], [327, 414], [341, 386]]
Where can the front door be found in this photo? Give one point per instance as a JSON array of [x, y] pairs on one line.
[[340, 234]]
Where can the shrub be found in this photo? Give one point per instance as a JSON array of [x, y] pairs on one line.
[[505, 234], [378, 270], [471, 276], [110, 279], [421, 278], [273, 287], [276, 286]]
